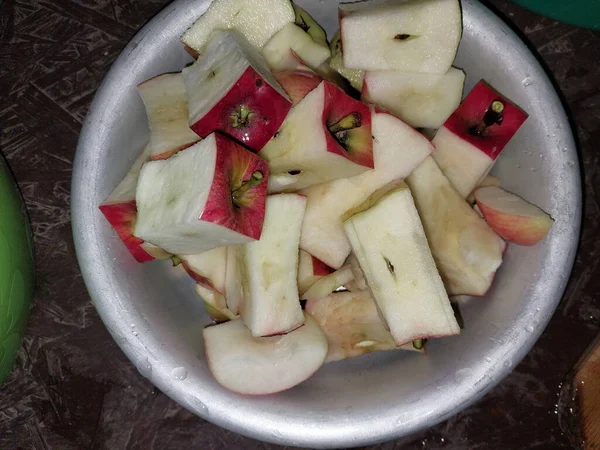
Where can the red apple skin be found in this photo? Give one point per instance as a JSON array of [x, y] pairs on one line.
[[234, 166], [297, 83], [202, 281], [122, 218], [167, 155], [269, 109], [320, 268], [338, 104], [471, 112]]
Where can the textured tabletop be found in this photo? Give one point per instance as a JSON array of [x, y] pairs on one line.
[[72, 388]]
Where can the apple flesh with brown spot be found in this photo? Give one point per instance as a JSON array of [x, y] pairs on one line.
[[469, 142], [231, 90], [207, 196], [512, 217]]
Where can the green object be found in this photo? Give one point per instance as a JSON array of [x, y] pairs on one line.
[[581, 13], [16, 270]]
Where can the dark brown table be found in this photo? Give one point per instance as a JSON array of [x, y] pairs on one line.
[[72, 388]]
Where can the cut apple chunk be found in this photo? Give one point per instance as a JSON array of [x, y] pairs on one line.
[[165, 99], [234, 294], [327, 135], [397, 150], [329, 283], [310, 270], [271, 304], [489, 180], [207, 268], [420, 99], [207, 196], [351, 322], [357, 273], [121, 212], [214, 303], [474, 135], [355, 77], [255, 20], [249, 365], [231, 90], [389, 242], [466, 250], [297, 83], [411, 36], [513, 218]]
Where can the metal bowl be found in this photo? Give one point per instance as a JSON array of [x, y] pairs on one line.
[[157, 320]]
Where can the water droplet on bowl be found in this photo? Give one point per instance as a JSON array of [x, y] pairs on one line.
[[179, 373], [529, 329], [527, 81], [488, 360], [135, 333], [145, 368]]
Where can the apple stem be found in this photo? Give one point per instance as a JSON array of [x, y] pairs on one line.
[[493, 116], [175, 260], [241, 117], [418, 343], [239, 193]]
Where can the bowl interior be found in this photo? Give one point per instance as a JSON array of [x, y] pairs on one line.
[[156, 318]]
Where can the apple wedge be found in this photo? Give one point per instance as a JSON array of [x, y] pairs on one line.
[[165, 99], [389, 242], [422, 100], [234, 293], [351, 322], [231, 90], [513, 218], [214, 303], [355, 77], [249, 365], [121, 212], [329, 283], [310, 270], [466, 250], [397, 150], [207, 268], [357, 273], [271, 304], [297, 83], [410, 36], [206, 196], [474, 135], [489, 180], [255, 20], [327, 135]]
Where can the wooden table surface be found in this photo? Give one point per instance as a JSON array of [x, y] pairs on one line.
[[72, 387]]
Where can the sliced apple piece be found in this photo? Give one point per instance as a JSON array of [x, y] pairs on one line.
[[255, 20], [231, 90], [412, 36], [327, 135], [512, 217], [352, 286], [271, 304], [489, 180], [206, 196], [466, 250], [308, 24], [310, 270], [357, 273], [351, 322], [234, 294], [207, 268], [389, 242], [355, 77], [249, 365], [329, 283], [397, 149], [215, 304], [474, 135], [165, 99], [423, 100], [297, 83]]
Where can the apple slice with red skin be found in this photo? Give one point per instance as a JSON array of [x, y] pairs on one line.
[[310, 270], [489, 180], [165, 99], [512, 217], [214, 303], [231, 89], [326, 136], [351, 322], [207, 196], [207, 268], [329, 283], [120, 209], [234, 294], [271, 304], [297, 83], [249, 365], [469, 142], [466, 250]]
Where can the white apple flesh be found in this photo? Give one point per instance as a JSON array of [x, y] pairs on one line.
[[271, 304], [355, 77], [415, 36], [397, 150], [234, 294], [207, 268], [255, 20], [249, 365], [329, 283], [466, 250], [310, 270], [389, 242], [214, 303], [207, 196], [512, 217], [421, 100], [165, 99]]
